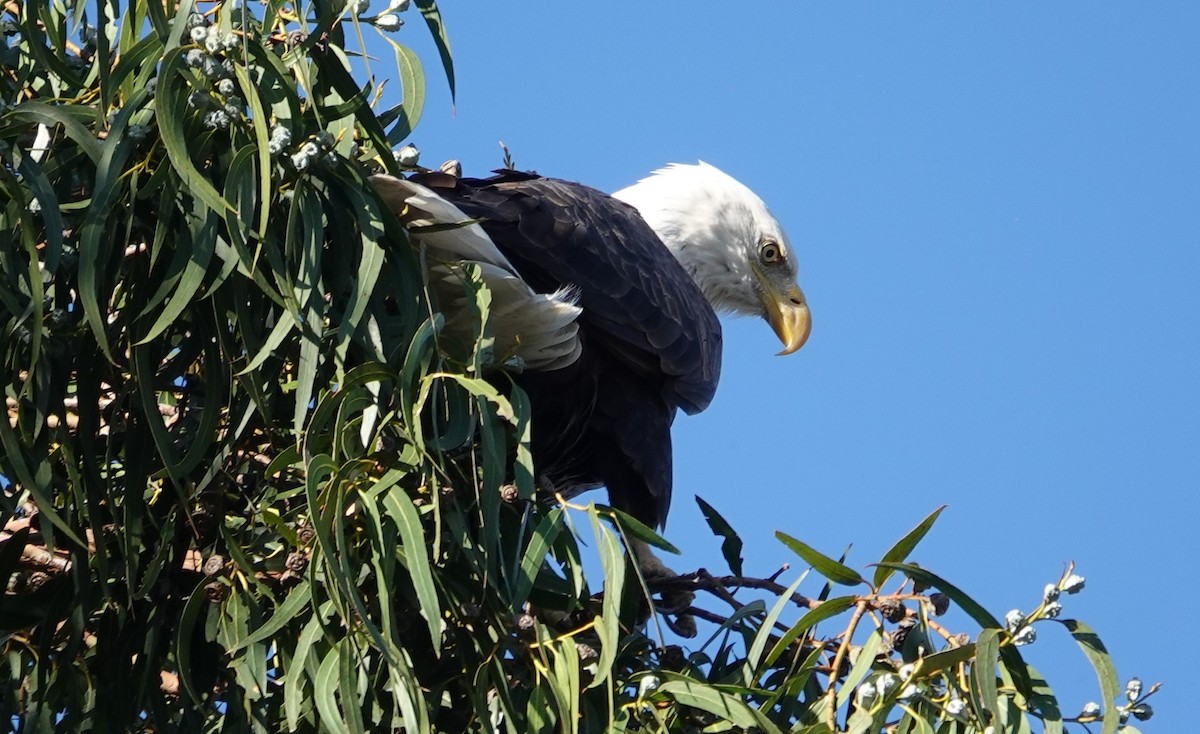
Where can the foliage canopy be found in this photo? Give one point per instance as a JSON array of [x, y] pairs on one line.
[[247, 484]]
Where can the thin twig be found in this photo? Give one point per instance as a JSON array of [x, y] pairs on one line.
[[702, 580], [859, 610]]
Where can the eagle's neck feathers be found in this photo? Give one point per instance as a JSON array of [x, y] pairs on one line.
[[709, 221]]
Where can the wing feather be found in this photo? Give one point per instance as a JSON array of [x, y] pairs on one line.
[[638, 301]]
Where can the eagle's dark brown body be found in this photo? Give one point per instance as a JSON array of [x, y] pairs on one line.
[[651, 343]]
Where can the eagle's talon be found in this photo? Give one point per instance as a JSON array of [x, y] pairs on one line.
[[683, 625]]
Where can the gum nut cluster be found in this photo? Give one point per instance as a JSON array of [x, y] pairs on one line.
[[319, 147]]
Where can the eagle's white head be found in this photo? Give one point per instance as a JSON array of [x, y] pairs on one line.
[[726, 238]]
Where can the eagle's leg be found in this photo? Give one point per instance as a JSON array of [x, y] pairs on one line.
[[673, 602]]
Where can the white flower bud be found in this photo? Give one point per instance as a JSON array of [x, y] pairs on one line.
[[1133, 689], [217, 120], [35, 206], [280, 134], [1091, 710], [198, 34], [647, 685], [408, 156], [399, 6], [212, 39], [886, 683], [1014, 619], [300, 160], [358, 7], [1050, 593], [1025, 636], [906, 671], [867, 695], [226, 87], [212, 68], [1052, 610], [389, 22], [910, 693], [1073, 584], [955, 707]]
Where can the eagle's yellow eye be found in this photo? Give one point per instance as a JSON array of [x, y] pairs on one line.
[[770, 253]]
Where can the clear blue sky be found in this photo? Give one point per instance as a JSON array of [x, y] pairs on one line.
[[997, 212]]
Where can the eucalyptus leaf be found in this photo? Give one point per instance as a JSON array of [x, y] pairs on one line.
[[833, 570]]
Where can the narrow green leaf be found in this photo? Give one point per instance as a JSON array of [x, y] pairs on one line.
[[406, 690], [827, 609], [324, 686], [946, 659], [862, 665], [765, 632], [348, 686], [95, 250], [1106, 672], [479, 388], [305, 239], [836, 572], [184, 632], [54, 115], [296, 600], [203, 243], [1044, 701], [294, 695], [608, 625], [416, 559], [412, 86], [731, 547], [416, 361], [433, 19], [283, 326], [919, 724], [973, 609], [251, 93], [39, 186], [564, 681], [899, 552], [707, 698], [631, 527], [171, 110], [860, 720], [534, 558], [983, 671], [370, 264]]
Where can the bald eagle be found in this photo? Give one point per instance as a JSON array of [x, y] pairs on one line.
[[608, 303]]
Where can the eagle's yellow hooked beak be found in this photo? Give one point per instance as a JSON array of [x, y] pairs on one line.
[[787, 312]]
